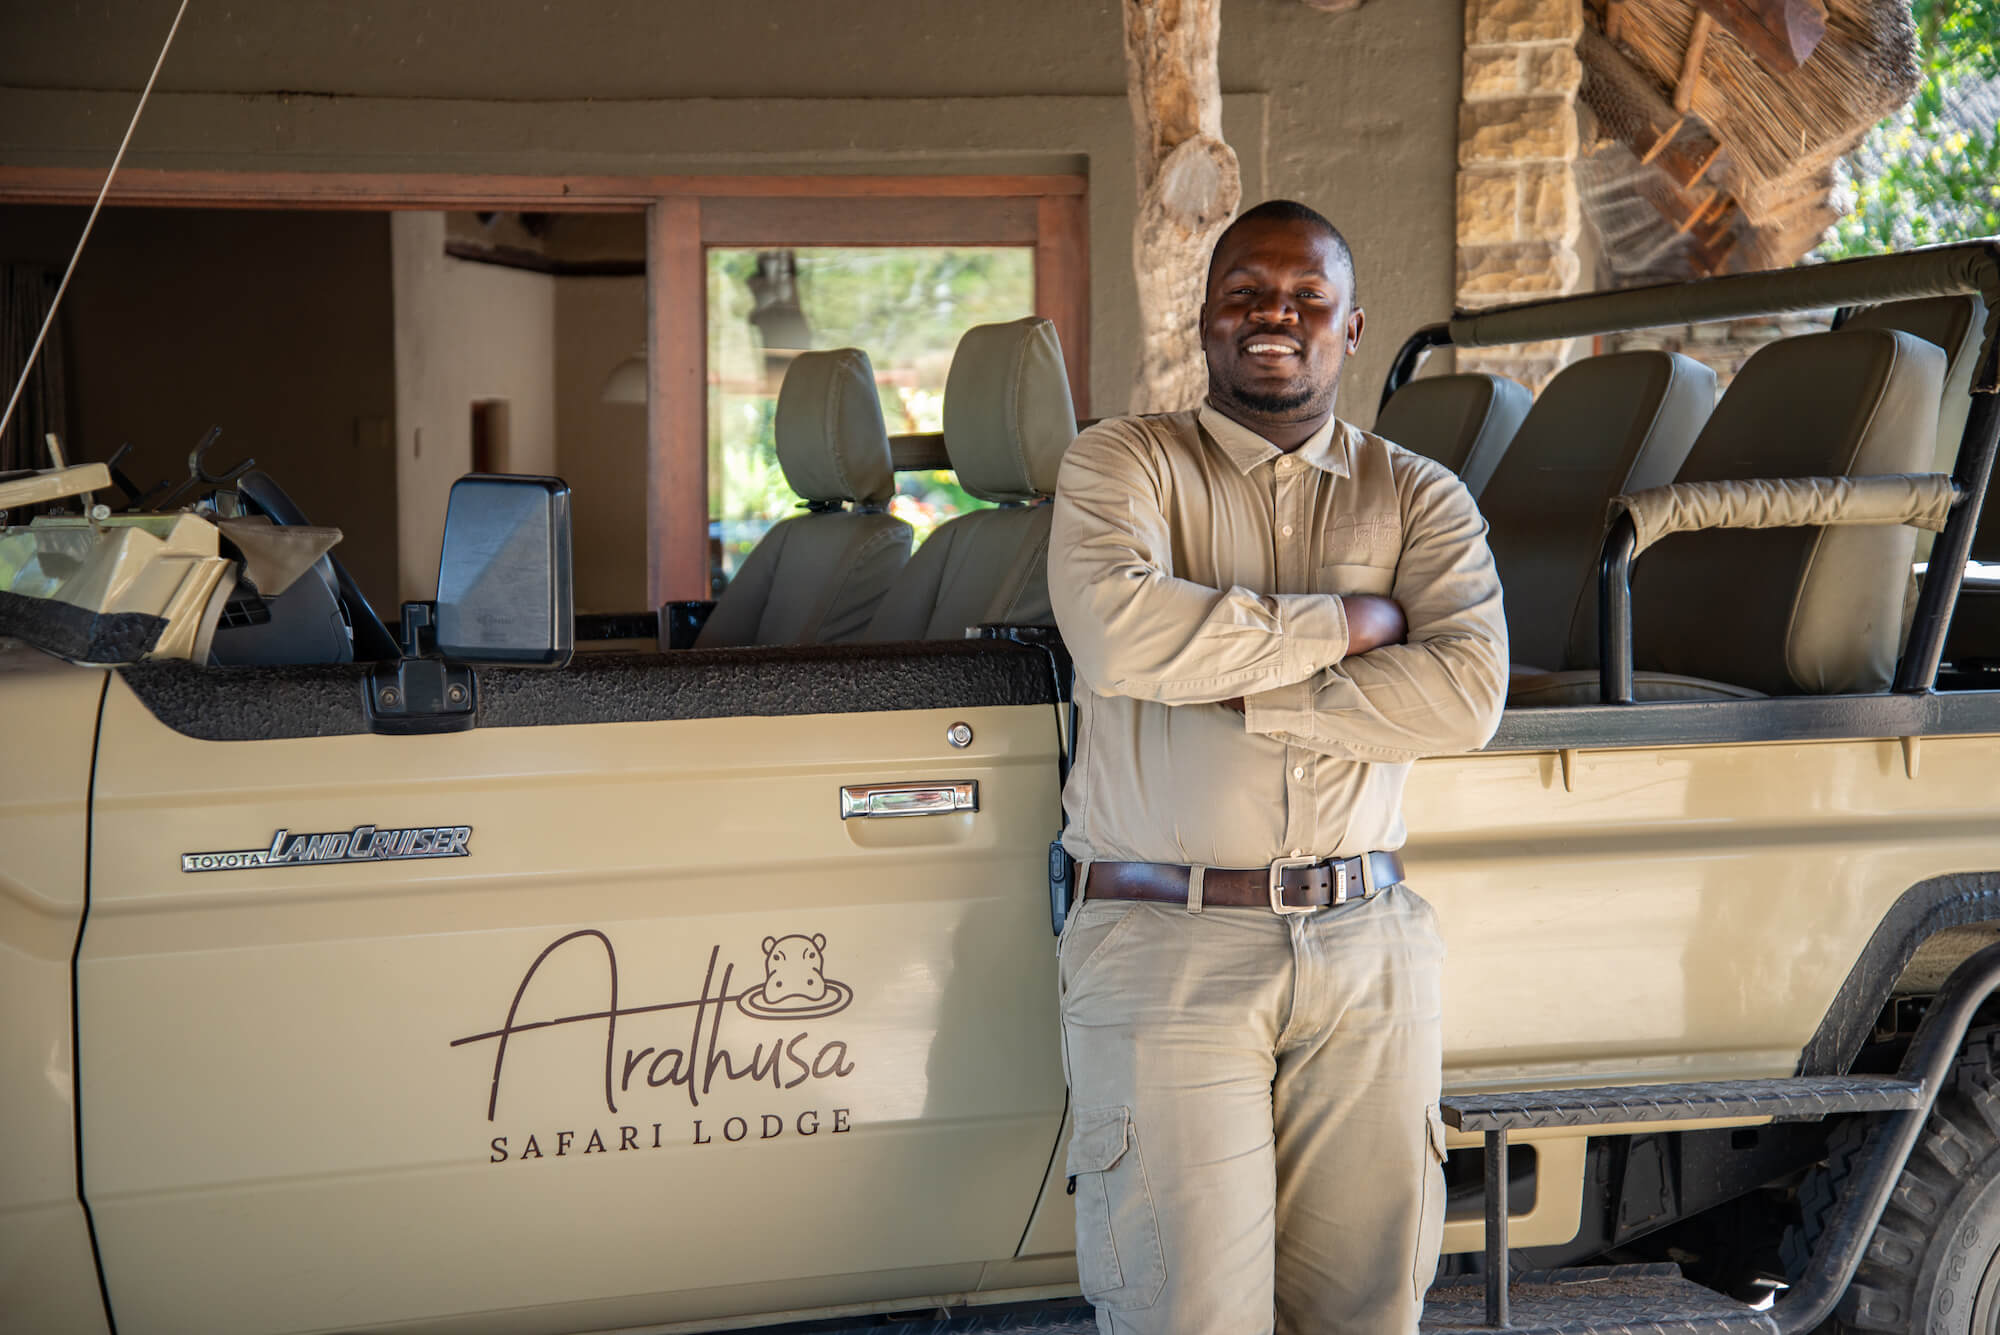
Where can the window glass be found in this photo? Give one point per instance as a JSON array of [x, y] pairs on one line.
[[905, 306]]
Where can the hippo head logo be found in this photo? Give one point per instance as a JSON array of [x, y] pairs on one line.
[[794, 970], [795, 982]]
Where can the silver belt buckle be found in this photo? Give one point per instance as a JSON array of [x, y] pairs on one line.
[[1277, 875]]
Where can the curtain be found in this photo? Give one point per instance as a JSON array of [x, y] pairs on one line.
[[26, 292]]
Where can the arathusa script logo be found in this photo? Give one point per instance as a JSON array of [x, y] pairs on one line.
[[699, 1052]]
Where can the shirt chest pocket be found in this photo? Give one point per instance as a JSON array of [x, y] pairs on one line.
[[1350, 577], [1358, 553]]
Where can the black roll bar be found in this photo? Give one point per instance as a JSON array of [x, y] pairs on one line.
[[1614, 612], [1917, 672], [1410, 356]]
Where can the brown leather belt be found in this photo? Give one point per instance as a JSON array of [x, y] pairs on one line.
[[1289, 885]]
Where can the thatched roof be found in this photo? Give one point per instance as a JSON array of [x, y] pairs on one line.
[[1745, 173]]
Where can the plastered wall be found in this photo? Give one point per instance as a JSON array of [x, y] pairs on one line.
[[1355, 113], [463, 332], [601, 447]]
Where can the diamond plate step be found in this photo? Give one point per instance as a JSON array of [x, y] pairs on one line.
[[1604, 1300], [1807, 1098]]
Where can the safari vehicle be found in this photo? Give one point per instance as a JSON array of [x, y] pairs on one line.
[[469, 985]]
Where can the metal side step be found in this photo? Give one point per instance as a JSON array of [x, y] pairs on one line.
[[1598, 1300], [1805, 1098]]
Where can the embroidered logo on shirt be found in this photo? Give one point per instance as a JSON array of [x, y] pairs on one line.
[[1367, 530]]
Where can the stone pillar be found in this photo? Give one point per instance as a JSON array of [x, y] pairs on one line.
[[1518, 210]]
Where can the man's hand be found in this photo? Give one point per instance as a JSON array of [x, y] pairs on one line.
[[1373, 621]]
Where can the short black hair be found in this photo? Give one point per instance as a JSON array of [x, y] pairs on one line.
[[1289, 211]]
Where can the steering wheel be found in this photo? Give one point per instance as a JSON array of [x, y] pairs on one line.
[[372, 640]]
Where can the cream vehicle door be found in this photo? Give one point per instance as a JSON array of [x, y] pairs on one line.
[[598, 1014]]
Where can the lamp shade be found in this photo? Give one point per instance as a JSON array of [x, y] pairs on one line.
[[627, 381]]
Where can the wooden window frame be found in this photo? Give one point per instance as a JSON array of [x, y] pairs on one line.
[[684, 216]]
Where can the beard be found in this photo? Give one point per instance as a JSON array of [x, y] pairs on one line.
[[1273, 401], [1299, 399]]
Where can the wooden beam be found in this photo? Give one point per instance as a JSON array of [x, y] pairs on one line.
[[676, 403], [1062, 285], [1694, 214], [1684, 91], [432, 190], [1780, 34], [1189, 185], [1666, 137], [900, 221], [1701, 168]]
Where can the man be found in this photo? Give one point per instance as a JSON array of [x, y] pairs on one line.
[[1272, 614]]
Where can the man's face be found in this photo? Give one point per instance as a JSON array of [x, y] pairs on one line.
[[1278, 323]]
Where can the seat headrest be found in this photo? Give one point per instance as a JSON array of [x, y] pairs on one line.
[[1463, 421], [1008, 415], [831, 442], [1616, 422], [1958, 325]]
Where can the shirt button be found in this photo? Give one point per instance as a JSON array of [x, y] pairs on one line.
[[1287, 530], [1298, 771]]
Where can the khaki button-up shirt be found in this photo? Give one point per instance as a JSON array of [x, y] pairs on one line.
[[1191, 561]]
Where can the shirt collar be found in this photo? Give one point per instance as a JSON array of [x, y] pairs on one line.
[[1326, 449]]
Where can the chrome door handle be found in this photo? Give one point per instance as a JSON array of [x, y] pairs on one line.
[[932, 798]]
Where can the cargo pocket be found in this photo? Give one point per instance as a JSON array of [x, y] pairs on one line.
[[1118, 1257], [1430, 1228]]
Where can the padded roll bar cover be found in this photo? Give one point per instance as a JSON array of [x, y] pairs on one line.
[[831, 442], [1921, 500], [1008, 415], [1465, 422], [1619, 422], [1786, 611]]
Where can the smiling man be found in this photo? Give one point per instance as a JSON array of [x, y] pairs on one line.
[[1272, 615]]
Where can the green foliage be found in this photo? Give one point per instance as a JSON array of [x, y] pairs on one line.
[[1928, 174], [905, 307]]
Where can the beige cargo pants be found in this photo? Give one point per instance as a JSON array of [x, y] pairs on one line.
[[1254, 1098]]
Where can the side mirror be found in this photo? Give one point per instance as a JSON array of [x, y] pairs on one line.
[[504, 585]]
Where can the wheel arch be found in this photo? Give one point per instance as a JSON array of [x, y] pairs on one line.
[[1917, 937]]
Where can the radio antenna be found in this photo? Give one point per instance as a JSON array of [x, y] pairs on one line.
[[48, 322]]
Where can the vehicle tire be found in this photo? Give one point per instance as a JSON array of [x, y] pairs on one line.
[[1932, 1266]]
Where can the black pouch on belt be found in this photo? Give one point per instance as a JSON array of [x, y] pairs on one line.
[[1062, 882]]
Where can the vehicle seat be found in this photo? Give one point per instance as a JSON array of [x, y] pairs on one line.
[[1008, 418], [1958, 325], [818, 577], [1604, 425], [1730, 614], [1465, 422]]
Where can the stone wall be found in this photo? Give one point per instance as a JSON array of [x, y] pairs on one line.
[[1723, 346], [1518, 210]]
